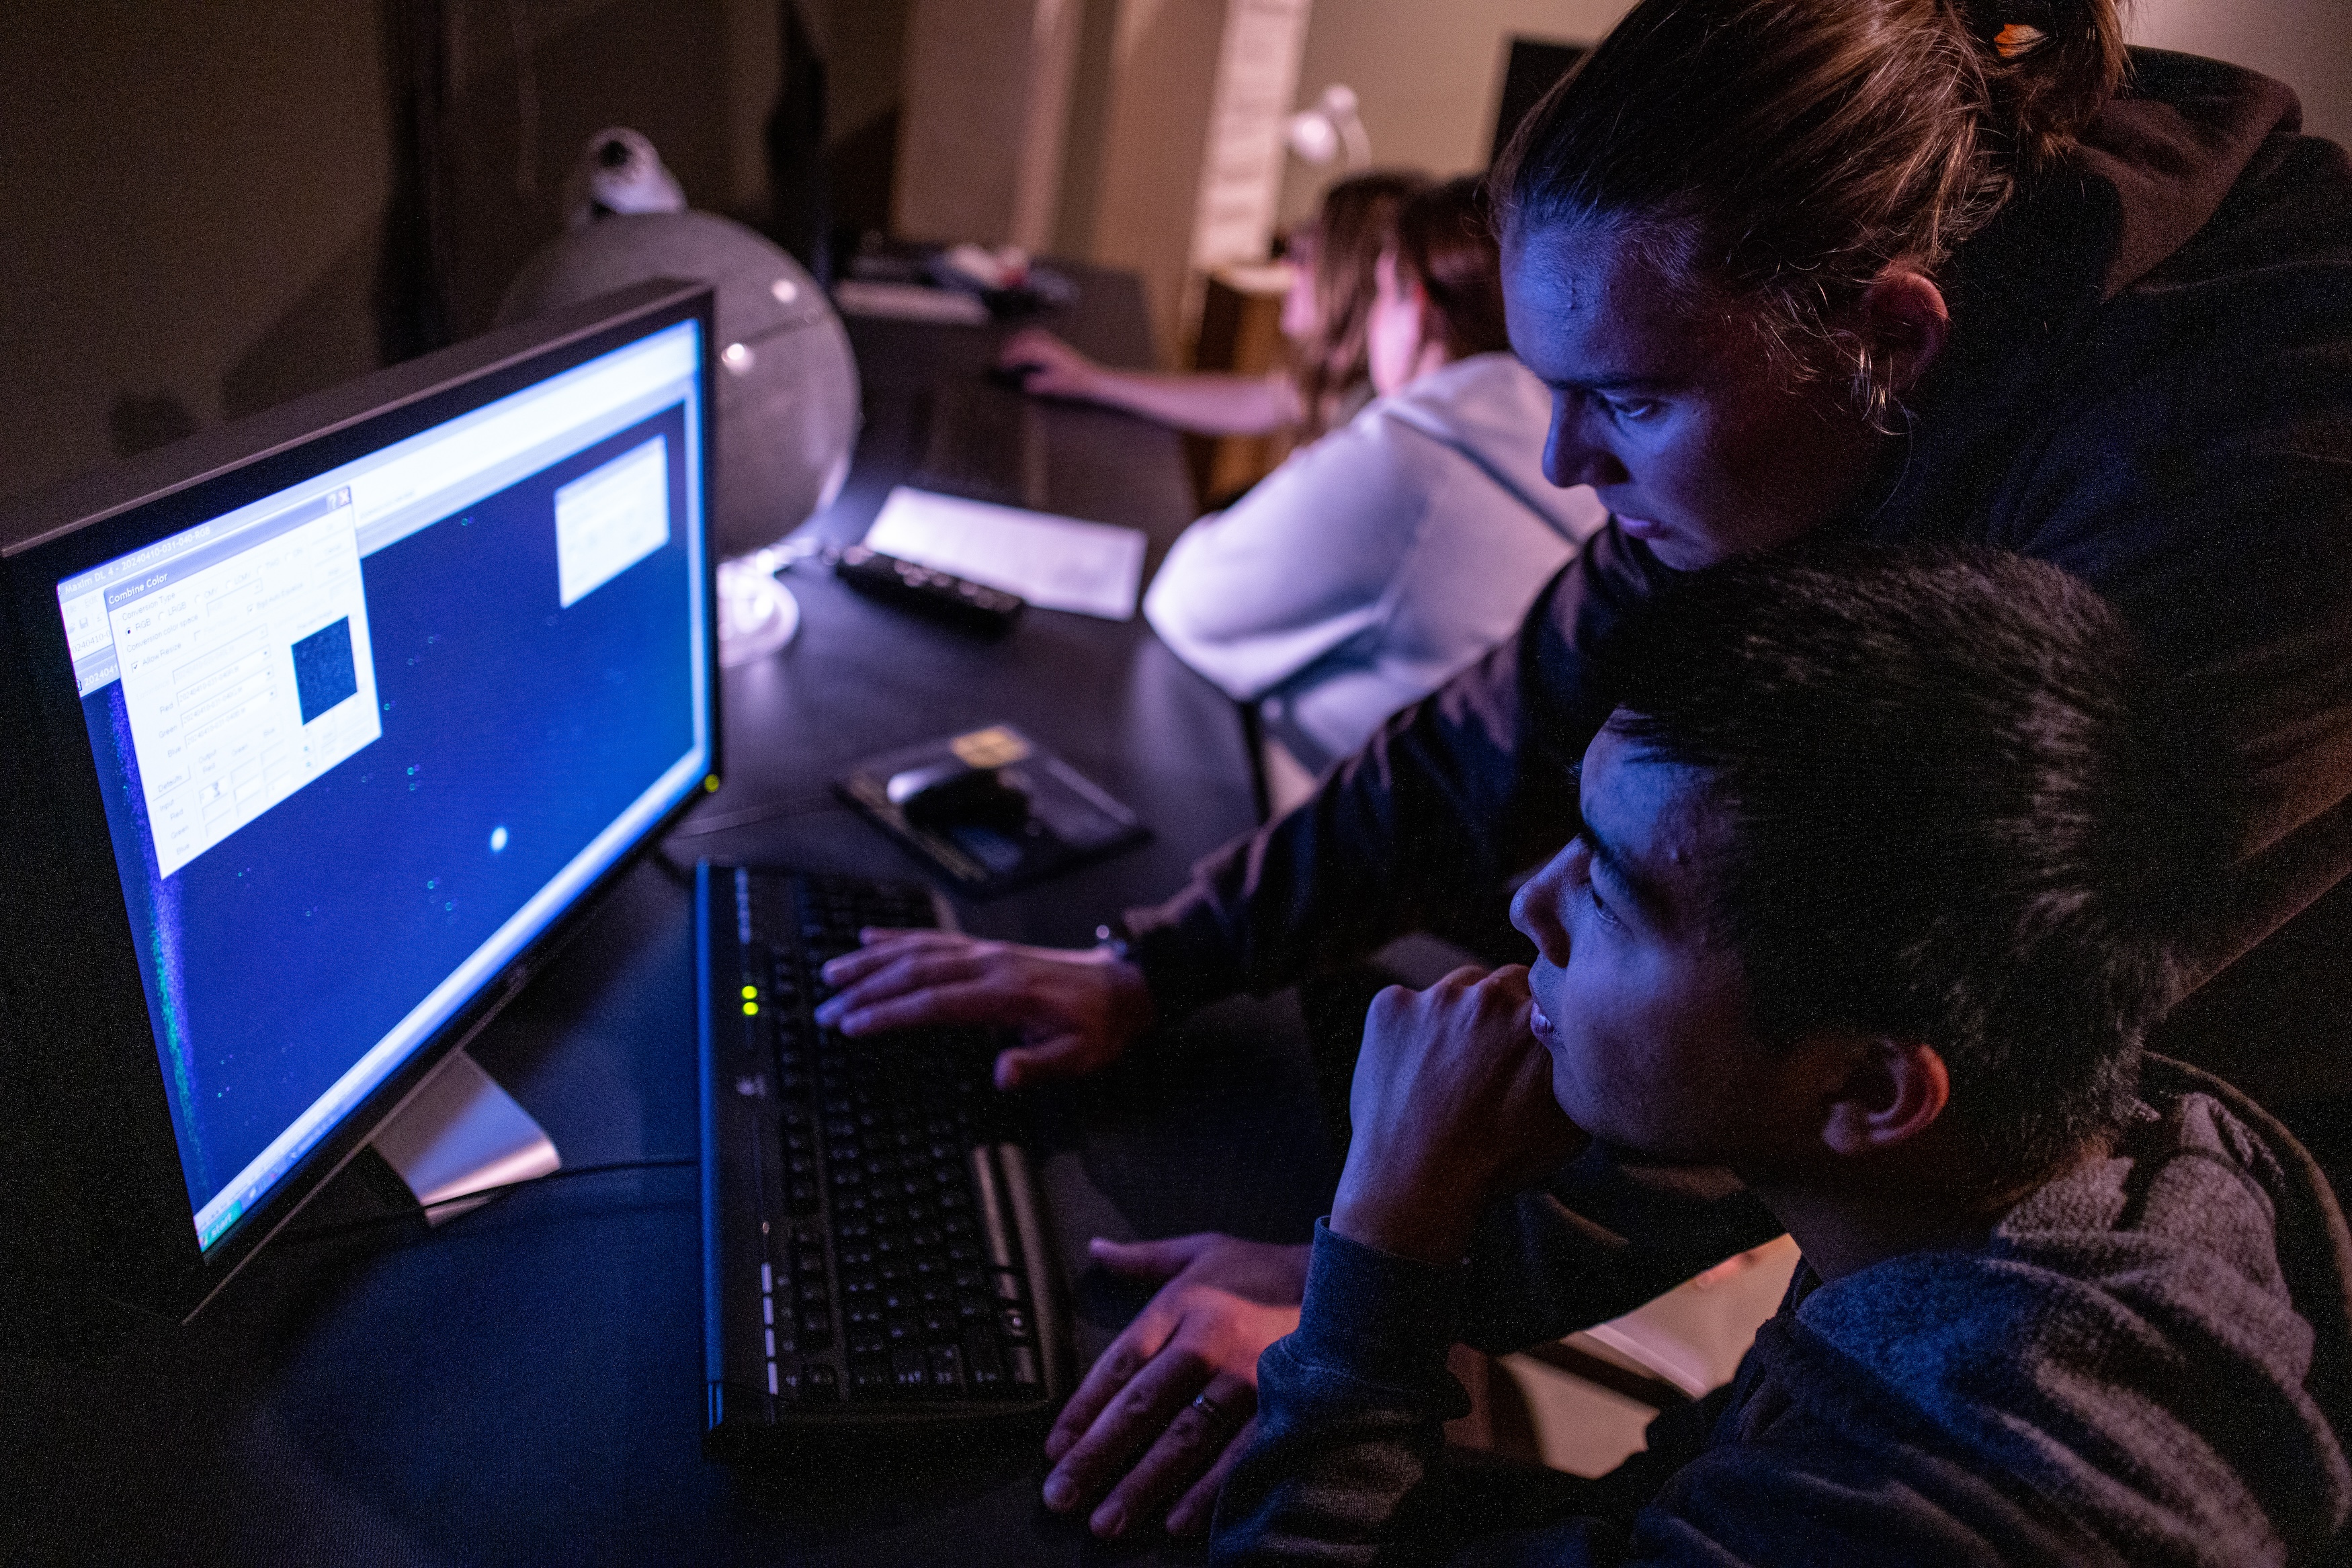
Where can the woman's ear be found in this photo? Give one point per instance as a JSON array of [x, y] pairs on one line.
[[1894, 1092], [1906, 323]]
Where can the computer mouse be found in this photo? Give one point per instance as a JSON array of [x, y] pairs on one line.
[[949, 795], [1013, 377]]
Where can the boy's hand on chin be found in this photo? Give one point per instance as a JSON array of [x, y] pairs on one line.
[[1453, 1107]]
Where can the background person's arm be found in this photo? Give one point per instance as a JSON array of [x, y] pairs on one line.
[[1202, 402]]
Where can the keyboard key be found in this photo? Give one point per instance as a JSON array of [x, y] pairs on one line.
[[910, 1369], [869, 1376], [984, 1362]]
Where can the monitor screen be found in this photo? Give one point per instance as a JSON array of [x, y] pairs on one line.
[[359, 740]]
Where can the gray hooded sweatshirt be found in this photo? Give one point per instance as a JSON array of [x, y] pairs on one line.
[[2146, 1363], [1378, 562]]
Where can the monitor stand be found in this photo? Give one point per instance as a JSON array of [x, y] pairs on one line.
[[459, 1133]]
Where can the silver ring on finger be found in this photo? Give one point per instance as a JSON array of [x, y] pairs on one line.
[[1211, 1411]]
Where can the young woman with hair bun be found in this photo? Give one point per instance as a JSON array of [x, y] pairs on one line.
[[1958, 271]]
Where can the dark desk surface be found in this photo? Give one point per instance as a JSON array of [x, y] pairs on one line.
[[525, 1386]]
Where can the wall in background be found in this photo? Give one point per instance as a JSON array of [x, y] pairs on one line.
[[195, 200], [1427, 74], [988, 100], [204, 205], [2306, 43], [866, 50]]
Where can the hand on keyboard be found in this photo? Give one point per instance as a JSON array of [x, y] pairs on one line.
[[1172, 1405], [1075, 1009]]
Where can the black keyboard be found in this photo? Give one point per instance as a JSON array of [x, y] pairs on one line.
[[874, 1253]]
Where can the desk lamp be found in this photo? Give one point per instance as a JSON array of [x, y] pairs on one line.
[[1331, 132], [787, 400]]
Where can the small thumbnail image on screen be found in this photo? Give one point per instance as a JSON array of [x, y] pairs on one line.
[[324, 674]]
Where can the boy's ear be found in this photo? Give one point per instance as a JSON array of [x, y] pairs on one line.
[[1894, 1091]]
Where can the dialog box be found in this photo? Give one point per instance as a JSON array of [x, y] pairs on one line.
[[246, 674], [610, 519]]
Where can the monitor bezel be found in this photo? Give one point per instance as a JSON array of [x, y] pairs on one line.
[[109, 1206]]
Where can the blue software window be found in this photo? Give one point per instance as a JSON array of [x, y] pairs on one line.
[[360, 741]]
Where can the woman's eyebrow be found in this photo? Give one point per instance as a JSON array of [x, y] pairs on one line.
[[1625, 383]]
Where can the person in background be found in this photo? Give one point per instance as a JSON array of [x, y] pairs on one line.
[[1907, 270], [1878, 863], [1371, 566], [1325, 318]]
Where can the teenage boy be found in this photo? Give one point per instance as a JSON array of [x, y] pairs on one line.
[[1868, 907]]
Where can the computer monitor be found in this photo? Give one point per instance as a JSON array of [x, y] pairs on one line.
[[320, 730]]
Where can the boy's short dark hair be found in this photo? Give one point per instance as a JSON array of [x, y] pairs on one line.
[[1949, 813]]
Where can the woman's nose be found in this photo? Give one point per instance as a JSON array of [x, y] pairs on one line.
[[1570, 458]]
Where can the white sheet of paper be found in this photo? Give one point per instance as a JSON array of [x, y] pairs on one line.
[[1055, 563]]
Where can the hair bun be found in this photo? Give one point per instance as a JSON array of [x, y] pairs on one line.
[[2050, 65], [2016, 38]]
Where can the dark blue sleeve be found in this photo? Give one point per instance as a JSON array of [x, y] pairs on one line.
[[1351, 1409], [1347, 1466]]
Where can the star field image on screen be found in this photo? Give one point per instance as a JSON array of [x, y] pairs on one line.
[[347, 764]]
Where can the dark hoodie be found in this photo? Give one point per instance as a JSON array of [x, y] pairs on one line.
[[2148, 382], [2144, 1365]]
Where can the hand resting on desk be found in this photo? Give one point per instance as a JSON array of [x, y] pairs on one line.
[[1076, 1009], [1133, 1436], [1454, 1106]]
